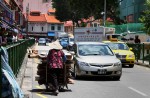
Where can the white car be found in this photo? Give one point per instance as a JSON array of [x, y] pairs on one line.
[[42, 41], [71, 43], [96, 59]]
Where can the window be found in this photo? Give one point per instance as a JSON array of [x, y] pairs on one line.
[[45, 1], [42, 28], [59, 27], [95, 24], [32, 28], [130, 18], [52, 27]]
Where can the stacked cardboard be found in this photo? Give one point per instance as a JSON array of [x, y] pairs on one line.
[[68, 64]]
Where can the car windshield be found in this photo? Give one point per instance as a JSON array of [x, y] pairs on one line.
[[71, 39], [64, 40], [94, 49], [42, 39], [118, 46]]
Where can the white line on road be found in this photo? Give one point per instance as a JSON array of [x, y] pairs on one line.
[[139, 92]]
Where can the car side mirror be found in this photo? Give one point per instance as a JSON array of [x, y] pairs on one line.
[[130, 49], [117, 54]]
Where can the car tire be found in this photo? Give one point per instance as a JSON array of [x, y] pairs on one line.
[[75, 72], [131, 65]]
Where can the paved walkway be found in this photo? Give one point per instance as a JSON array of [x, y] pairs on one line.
[[145, 63]]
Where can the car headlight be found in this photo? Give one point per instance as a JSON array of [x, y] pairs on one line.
[[117, 64], [82, 63], [131, 56]]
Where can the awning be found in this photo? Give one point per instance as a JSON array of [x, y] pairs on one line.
[[51, 33]]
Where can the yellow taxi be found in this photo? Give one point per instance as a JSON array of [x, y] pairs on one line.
[[123, 52]]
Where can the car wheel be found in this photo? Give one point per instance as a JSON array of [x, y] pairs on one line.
[[75, 72], [131, 65]]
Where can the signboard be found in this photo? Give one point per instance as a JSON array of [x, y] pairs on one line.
[[88, 34], [51, 34]]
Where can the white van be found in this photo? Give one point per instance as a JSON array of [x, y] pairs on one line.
[[70, 43]]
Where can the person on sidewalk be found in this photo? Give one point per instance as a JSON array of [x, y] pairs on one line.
[[137, 40], [55, 61]]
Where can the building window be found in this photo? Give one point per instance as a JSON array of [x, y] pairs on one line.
[[42, 28], [130, 18], [32, 28], [52, 27], [45, 1], [59, 27], [95, 24]]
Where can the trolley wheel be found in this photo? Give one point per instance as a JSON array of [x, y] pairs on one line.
[[75, 72]]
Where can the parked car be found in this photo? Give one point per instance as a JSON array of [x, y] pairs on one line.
[[42, 41], [70, 43], [123, 52], [64, 42], [148, 39], [96, 59]]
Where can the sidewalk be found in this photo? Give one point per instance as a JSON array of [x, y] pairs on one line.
[[140, 62], [25, 76]]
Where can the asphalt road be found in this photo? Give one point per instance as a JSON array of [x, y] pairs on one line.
[[134, 83]]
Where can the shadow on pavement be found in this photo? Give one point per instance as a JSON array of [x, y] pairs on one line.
[[95, 78], [49, 92], [37, 90]]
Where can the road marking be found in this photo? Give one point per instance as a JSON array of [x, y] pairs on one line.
[[38, 94], [139, 92], [39, 87]]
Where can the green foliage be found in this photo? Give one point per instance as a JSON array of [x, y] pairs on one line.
[[76, 10], [145, 18]]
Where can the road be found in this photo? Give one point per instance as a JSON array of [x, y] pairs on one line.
[[134, 83]]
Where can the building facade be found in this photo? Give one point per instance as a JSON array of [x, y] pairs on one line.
[[54, 26], [37, 24], [131, 10], [37, 5], [44, 25], [11, 17]]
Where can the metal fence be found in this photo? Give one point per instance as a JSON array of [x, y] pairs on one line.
[[16, 53], [132, 27], [141, 51]]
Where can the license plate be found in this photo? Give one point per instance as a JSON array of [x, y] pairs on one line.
[[102, 71]]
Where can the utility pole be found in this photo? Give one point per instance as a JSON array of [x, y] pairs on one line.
[[104, 12], [27, 17]]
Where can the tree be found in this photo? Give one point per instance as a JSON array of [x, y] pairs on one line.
[[145, 18], [76, 10]]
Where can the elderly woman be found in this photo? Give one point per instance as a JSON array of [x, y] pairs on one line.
[[55, 61]]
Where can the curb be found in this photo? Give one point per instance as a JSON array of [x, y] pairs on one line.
[[21, 72], [142, 64]]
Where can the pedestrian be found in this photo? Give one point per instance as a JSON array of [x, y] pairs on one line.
[[55, 60], [137, 40]]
